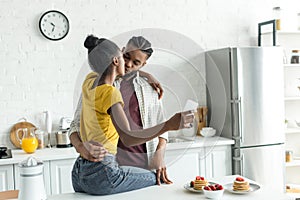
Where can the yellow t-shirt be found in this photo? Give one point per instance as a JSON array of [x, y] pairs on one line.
[[95, 122]]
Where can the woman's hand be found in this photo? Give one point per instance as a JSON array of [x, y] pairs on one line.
[[181, 120]]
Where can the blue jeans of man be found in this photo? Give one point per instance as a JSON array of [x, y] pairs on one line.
[[107, 177]]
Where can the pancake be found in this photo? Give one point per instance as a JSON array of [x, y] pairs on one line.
[[241, 186], [199, 184]]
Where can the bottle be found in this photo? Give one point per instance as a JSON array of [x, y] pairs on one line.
[[48, 124], [288, 156], [276, 15], [295, 57]]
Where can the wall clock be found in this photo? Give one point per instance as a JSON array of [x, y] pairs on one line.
[[54, 25]]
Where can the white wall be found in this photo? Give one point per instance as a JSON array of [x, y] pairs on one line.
[[37, 74]]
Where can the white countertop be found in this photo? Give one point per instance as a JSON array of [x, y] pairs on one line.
[[177, 192], [199, 142], [46, 154]]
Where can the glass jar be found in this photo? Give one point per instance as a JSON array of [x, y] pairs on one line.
[[288, 156], [276, 15], [295, 57]]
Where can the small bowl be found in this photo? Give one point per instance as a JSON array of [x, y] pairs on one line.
[[216, 194], [208, 132]]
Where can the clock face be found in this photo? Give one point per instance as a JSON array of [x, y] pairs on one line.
[[54, 25]]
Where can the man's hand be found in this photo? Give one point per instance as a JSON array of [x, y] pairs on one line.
[[154, 83], [158, 163], [161, 170], [156, 86], [93, 151], [90, 150]]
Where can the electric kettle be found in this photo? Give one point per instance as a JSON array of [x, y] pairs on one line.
[[31, 180]]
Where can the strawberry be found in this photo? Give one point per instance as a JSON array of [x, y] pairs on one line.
[[212, 187], [220, 187], [202, 178], [192, 183], [207, 188], [239, 179], [198, 177]]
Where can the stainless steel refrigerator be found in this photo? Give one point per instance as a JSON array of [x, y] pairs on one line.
[[245, 92]]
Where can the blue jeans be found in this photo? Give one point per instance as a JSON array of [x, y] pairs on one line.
[[107, 177]]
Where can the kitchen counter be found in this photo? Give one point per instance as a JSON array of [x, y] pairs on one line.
[[198, 142], [46, 154], [176, 192]]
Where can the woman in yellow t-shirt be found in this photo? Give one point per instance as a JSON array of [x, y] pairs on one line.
[[103, 120]]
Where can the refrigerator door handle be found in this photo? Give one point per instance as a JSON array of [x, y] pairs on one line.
[[240, 120], [239, 164], [237, 119], [242, 170]]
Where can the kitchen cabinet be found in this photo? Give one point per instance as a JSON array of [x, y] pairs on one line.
[[210, 162], [290, 41], [61, 179], [6, 177], [218, 162], [184, 165]]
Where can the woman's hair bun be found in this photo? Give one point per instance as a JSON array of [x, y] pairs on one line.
[[91, 42]]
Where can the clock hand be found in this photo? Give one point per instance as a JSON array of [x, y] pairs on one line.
[[53, 26]]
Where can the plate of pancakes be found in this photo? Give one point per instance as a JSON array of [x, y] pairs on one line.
[[197, 184], [241, 186]]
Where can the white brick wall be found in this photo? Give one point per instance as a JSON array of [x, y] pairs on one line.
[[37, 74]]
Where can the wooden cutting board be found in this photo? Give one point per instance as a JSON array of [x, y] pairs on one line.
[[13, 137], [9, 194]]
